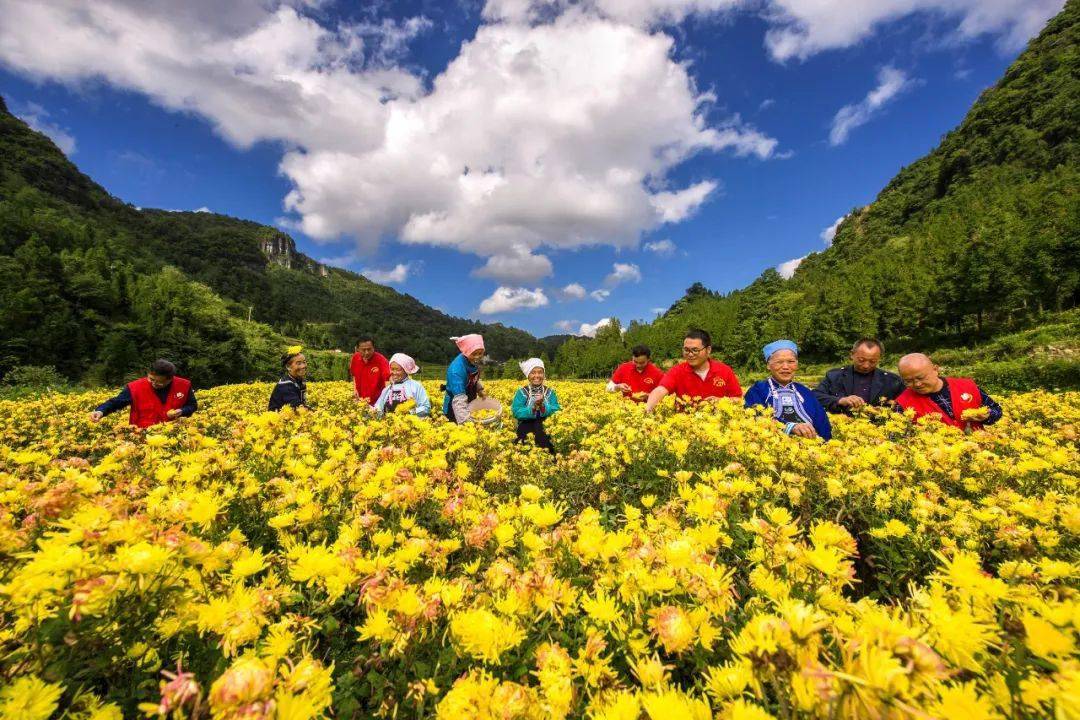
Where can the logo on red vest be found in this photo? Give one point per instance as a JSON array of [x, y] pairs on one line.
[[179, 394], [718, 382], [650, 381], [965, 396], [374, 369]]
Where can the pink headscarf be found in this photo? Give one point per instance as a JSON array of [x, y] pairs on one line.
[[468, 344], [407, 363]]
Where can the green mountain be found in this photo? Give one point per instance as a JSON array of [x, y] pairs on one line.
[[978, 238], [95, 287]]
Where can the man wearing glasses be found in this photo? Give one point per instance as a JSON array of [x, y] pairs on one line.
[[698, 377]]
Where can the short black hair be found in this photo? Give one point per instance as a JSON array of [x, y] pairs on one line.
[[699, 334], [639, 350], [164, 368], [872, 342], [364, 339]]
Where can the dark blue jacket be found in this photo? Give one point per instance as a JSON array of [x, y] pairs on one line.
[[758, 394], [288, 392], [840, 382]]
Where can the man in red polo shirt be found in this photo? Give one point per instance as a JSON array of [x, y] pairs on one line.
[[638, 377], [698, 377], [370, 371]]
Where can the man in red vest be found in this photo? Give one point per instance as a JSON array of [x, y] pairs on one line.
[[370, 371], [159, 397], [638, 377], [698, 377], [954, 401]]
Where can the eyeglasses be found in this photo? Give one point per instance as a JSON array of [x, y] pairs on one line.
[[693, 352]]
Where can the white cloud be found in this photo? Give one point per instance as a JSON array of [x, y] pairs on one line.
[[395, 275], [583, 329], [589, 329], [829, 233], [623, 273], [533, 136], [663, 248], [509, 299], [659, 310], [600, 295], [256, 70], [642, 13], [573, 291], [202, 209], [891, 83], [37, 118], [801, 28], [517, 265], [675, 207], [554, 134], [787, 269]]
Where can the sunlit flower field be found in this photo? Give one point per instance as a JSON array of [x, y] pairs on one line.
[[244, 564]]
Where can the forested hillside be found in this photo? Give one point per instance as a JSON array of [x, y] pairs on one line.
[[979, 237], [94, 287]]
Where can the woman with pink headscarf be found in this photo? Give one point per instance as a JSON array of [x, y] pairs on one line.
[[463, 378], [403, 388]]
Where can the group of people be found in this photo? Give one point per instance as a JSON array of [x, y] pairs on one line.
[[919, 387], [387, 385]]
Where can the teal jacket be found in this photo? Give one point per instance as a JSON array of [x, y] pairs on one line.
[[457, 379], [522, 410]]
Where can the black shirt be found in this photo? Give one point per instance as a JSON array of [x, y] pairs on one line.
[[860, 384], [288, 391]]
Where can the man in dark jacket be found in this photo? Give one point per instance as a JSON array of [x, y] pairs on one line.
[[860, 383]]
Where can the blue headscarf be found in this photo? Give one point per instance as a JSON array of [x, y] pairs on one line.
[[772, 347]]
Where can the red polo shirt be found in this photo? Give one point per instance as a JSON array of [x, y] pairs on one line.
[[641, 383], [685, 383], [369, 377]]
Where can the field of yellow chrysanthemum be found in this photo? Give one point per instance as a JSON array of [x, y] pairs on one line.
[[685, 565]]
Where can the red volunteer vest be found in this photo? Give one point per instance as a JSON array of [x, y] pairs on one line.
[[147, 410], [964, 394]]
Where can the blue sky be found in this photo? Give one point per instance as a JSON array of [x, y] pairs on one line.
[[513, 160]]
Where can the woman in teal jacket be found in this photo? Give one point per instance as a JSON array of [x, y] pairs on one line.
[[463, 384], [533, 404]]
